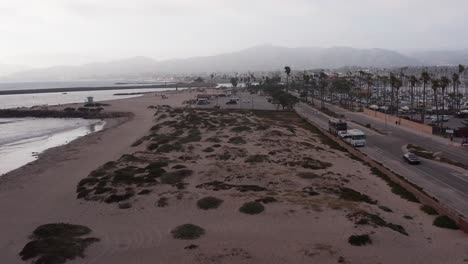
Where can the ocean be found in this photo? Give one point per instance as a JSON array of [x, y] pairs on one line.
[[22, 139]]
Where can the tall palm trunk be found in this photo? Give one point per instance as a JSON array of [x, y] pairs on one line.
[[423, 110]]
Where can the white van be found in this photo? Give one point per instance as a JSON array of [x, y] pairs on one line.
[[357, 138]]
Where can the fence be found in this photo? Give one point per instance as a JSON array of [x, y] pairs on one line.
[[403, 122]]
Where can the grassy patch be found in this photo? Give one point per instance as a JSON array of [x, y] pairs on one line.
[[257, 158], [395, 187], [187, 232], [209, 150], [209, 202], [218, 185], [166, 148], [365, 218], [57, 243], [355, 196], [237, 140], [359, 240], [252, 208], [175, 177], [162, 202], [385, 209], [308, 175], [429, 210], [444, 221], [239, 129], [310, 163]]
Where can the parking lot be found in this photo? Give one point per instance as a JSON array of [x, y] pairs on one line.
[[243, 100]]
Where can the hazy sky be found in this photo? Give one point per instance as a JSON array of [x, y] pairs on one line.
[[49, 32]]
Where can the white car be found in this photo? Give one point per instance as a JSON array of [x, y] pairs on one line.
[[246, 101]]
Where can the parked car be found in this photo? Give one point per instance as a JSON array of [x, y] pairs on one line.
[[231, 102], [411, 158]]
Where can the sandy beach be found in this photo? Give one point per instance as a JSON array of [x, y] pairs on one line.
[[302, 182]]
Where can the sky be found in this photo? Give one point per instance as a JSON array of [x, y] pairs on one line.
[[43, 33]]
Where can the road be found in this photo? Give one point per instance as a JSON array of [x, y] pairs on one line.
[[447, 183]]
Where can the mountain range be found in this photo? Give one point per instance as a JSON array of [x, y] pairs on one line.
[[259, 58]]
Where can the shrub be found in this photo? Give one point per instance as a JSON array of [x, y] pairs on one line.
[[252, 208], [125, 205], [163, 202], [166, 148], [307, 175], [214, 140], [239, 129], [237, 140], [429, 210], [209, 202], [137, 142], [385, 209], [152, 146], [175, 177], [355, 196], [257, 158], [444, 221], [208, 150], [57, 243], [178, 167], [187, 232], [359, 240], [115, 198]]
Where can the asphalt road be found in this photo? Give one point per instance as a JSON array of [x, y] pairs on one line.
[[447, 183]]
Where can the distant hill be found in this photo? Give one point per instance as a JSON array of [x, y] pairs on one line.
[[8, 69], [260, 58], [442, 57]]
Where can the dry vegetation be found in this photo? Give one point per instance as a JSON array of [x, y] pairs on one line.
[[256, 160]]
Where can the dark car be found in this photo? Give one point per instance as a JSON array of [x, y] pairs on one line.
[[232, 101], [411, 158]]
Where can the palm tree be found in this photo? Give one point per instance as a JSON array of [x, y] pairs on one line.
[[425, 78], [287, 70], [455, 82], [461, 70], [435, 87], [444, 82], [394, 84], [413, 81], [385, 79], [368, 78], [322, 84]]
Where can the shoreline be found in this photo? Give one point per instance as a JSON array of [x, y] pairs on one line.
[[105, 88]]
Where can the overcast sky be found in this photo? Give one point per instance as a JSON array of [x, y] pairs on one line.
[[49, 32]]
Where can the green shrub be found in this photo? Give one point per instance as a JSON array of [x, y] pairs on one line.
[[308, 175], [237, 140], [209, 202], [239, 129], [152, 146], [257, 158], [252, 208], [208, 150], [166, 148], [175, 177], [444, 221], [163, 202], [187, 232], [429, 210], [57, 243], [359, 240], [355, 196]]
